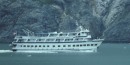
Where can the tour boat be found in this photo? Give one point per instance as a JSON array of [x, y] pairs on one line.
[[79, 41]]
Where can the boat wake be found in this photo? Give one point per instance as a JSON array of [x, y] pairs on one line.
[[6, 51], [35, 52], [10, 51]]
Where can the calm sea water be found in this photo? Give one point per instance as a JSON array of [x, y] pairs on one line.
[[108, 54]]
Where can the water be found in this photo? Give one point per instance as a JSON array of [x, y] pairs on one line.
[[108, 54]]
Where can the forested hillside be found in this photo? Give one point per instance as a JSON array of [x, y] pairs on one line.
[[108, 19]]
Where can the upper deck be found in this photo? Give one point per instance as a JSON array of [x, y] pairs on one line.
[[55, 37]]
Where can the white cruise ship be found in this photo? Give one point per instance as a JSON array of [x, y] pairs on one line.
[[57, 42]]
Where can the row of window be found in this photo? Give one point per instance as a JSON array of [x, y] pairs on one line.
[[81, 45], [61, 34], [50, 40]]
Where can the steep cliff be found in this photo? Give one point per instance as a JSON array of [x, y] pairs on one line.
[[108, 19]]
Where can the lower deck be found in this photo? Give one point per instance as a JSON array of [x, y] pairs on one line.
[[55, 51], [56, 46]]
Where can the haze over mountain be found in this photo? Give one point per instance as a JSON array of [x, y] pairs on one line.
[[108, 19]]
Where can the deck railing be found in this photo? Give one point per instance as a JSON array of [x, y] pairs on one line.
[[54, 37], [64, 39]]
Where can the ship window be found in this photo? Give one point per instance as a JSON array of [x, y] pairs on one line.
[[72, 34], [47, 45], [31, 45], [81, 45], [58, 45], [69, 45], [53, 45], [68, 39], [79, 39], [21, 45], [57, 40], [14, 45], [84, 45], [21, 40], [77, 45], [28, 39], [63, 35], [43, 45], [73, 45], [76, 39], [15, 40], [88, 44], [35, 45], [95, 44], [64, 46], [79, 34], [39, 40], [91, 44], [24, 46], [31, 40], [39, 45], [28, 45], [50, 40], [53, 35]]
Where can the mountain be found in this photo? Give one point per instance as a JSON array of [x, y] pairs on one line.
[[108, 19]]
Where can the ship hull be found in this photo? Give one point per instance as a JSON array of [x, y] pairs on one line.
[[90, 46]]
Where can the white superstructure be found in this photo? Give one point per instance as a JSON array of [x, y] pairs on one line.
[[72, 42]]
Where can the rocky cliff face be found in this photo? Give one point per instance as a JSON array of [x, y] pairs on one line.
[[109, 19]]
